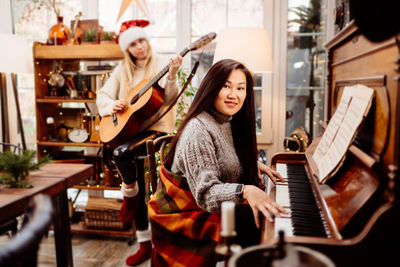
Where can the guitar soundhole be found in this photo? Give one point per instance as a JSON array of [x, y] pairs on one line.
[[134, 99]]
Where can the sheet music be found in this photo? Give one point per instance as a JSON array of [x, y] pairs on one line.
[[354, 105]]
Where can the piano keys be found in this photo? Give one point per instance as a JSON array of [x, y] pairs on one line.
[[297, 197]]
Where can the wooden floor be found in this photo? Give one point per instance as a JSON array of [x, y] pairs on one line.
[[88, 250]]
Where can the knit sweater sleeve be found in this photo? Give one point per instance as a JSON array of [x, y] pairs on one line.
[[107, 95], [197, 161]]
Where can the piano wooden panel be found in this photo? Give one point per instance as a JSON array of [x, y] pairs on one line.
[[360, 203], [353, 185], [374, 134], [354, 59]]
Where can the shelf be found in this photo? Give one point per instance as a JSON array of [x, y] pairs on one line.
[[79, 228], [64, 100], [85, 144], [96, 187], [46, 58], [87, 51]]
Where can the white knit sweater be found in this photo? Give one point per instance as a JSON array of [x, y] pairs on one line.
[[206, 156], [112, 90]]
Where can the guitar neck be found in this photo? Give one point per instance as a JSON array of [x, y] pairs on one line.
[[160, 74]]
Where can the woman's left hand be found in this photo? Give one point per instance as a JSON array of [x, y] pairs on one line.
[[259, 201], [174, 64], [273, 175]]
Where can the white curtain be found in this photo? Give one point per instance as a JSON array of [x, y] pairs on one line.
[[5, 17]]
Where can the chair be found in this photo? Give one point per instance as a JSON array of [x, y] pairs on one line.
[[107, 151], [22, 249], [15, 148], [152, 146], [10, 227]]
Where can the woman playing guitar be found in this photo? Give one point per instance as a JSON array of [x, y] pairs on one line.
[[139, 63]]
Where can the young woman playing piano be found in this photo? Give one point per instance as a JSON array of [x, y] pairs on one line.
[[212, 158]]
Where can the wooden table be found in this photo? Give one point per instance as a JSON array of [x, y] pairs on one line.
[[52, 179]]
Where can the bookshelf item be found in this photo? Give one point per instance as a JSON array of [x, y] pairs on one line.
[[103, 213], [75, 38], [95, 134], [59, 33]]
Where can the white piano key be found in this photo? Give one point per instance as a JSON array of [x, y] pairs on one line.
[[282, 169], [284, 224], [282, 195]]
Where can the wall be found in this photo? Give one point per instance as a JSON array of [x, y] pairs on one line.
[[6, 27]]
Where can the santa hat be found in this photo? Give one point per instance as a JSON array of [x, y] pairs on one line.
[[130, 31]]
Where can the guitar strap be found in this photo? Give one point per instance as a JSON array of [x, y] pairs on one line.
[[189, 79]]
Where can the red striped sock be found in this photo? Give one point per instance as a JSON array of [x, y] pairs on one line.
[[128, 208]]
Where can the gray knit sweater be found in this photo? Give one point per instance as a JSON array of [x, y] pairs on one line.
[[206, 156]]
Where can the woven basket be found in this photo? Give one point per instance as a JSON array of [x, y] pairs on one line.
[[103, 213]]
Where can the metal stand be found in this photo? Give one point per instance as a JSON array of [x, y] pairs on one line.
[[226, 248]]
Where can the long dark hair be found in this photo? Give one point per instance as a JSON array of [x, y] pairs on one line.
[[242, 123]]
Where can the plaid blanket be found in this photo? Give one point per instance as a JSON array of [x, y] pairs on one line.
[[182, 233]]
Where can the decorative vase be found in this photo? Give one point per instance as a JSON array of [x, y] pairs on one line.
[[59, 33]]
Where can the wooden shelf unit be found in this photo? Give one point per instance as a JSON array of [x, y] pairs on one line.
[[54, 143], [64, 100], [79, 228], [81, 52], [68, 58], [47, 59], [97, 187]]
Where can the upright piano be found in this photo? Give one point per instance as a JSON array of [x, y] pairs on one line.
[[353, 218]]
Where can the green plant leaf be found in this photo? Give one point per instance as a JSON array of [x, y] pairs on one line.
[[182, 105], [16, 167]]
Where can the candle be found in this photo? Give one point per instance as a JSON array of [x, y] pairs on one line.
[[228, 218]]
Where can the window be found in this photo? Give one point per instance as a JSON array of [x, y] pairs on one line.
[[232, 13], [306, 61], [33, 19], [305, 58], [225, 14], [162, 29]]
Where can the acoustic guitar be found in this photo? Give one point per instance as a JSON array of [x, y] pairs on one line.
[[143, 101]]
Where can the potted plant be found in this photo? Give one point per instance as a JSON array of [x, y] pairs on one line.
[[14, 168], [108, 38], [185, 100], [90, 36]]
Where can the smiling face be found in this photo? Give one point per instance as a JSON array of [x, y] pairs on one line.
[[139, 48], [231, 97]]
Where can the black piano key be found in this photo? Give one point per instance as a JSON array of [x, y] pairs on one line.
[[305, 214], [302, 212]]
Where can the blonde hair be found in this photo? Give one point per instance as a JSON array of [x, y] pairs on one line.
[[129, 67]]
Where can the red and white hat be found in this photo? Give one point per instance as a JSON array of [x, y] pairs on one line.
[[130, 31]]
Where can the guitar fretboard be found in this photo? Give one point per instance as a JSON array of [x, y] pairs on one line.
[[159, 75]]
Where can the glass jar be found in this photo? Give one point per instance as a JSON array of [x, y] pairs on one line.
[[59, 33]]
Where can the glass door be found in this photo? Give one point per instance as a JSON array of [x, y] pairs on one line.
[[306, 59]]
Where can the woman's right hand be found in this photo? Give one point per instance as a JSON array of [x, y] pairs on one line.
[[119, 106], [259, 201]]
